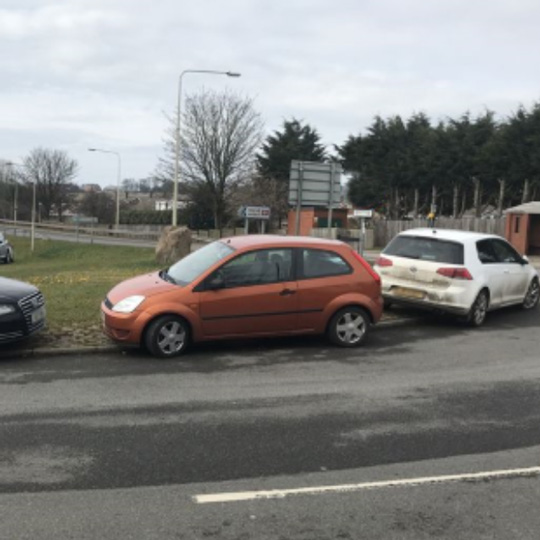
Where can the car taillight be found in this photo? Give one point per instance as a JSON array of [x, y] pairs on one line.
[[455, 273], [383, 261], [367, 266]]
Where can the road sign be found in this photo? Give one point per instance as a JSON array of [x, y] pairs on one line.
[[363, 213], [311, 183], [254, 212]]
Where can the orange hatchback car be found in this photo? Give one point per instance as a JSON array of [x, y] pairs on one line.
[[244, 287]]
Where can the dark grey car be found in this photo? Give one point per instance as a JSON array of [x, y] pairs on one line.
[[22, 310], [6, 250]]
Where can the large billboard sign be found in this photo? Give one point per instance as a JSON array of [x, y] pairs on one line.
[[312, 183]]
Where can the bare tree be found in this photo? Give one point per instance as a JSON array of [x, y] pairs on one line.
[[220, 134], [52, 171]]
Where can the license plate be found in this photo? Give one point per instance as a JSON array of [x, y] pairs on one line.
[[408, 293], [38, 315]]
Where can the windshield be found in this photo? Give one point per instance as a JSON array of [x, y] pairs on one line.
[[196, 263]]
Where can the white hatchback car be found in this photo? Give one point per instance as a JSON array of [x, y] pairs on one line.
[[459, 272]]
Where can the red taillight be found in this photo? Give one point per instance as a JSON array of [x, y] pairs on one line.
[[367, 266], [383, 261], [455, 273]]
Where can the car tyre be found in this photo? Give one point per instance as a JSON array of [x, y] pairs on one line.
[[477, 314], [349, 327], [167, 336], [532, 296], [9, 257]]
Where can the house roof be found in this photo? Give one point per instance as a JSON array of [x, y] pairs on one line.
[[532, 207]]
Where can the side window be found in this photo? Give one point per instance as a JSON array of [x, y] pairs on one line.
[[486, 253], [505, 252], [257, 268], [318, 263]]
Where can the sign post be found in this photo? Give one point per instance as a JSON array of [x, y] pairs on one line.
[[260, 213], [314, 184]]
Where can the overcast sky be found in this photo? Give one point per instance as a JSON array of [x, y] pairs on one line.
[[103, 73]]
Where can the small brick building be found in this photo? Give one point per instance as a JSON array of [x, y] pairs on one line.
[[316, 218], [522, 227]]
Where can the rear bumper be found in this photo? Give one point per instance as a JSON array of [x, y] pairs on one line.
[[427, 305]]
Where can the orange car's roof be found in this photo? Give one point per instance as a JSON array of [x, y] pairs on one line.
[[269, 240]]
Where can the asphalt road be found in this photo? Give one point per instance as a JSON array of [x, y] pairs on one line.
[[125, 446]]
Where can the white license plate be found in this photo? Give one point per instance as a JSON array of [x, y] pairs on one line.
[[38, 315]]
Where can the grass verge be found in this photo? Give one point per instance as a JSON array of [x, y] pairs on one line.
[[74, 278]]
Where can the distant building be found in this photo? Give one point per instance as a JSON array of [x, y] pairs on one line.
[[91, 188], [167, 204]]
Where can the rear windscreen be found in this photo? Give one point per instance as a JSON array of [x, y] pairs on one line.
[[425, 249]]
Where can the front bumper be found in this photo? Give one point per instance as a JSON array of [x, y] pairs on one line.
[[29, 318], [124, 328]]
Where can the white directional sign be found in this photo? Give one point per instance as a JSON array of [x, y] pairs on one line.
[[254, 212], [363, 213]]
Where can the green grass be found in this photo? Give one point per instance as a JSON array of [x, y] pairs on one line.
[[74, 278]]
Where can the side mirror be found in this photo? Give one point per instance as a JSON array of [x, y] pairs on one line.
[[215, 283], [524, 259]]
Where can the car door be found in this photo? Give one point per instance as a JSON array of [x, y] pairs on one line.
[[515, 273], [257, 295], [322, 276], [493, 271]]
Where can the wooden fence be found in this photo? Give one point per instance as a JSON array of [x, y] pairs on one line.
[[384, 230]]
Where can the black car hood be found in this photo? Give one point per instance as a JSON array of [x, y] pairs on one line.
[[13, 290]]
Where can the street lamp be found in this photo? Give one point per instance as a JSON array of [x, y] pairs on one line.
[[33, 219], [177, 142], [11, 164], [117, 226]]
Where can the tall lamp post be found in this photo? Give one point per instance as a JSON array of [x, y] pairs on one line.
[[11, 164], [117, 220], [177, 142]]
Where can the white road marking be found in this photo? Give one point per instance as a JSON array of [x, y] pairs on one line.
[[317, 490]]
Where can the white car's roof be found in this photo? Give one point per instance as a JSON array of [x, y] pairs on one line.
[[448, 234]]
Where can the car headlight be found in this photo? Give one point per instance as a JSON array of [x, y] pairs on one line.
[[6, 309], [129, 304]]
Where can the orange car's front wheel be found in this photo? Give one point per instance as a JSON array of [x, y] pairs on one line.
[[167, 336]]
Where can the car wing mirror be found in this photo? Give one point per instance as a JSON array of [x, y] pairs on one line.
[[524, 259]]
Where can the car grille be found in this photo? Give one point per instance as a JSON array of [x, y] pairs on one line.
[[8, 336], [28, 305]]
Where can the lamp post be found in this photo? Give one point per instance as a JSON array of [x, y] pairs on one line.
[[117, 220], [11, 164], [177, 142]]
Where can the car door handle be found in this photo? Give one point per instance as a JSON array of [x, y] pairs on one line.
[[287, 292]]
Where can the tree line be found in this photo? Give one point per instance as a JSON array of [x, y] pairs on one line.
[[403, 167]]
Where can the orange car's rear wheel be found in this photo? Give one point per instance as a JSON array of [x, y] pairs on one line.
[[167, 336], [349, 327]]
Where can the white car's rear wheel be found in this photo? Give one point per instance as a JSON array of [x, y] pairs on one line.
[[532, 296], [478, 312]]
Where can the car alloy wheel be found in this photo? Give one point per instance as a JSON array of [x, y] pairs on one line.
[[167, 336], [349, 327], [9, 256], [533, 295], [477, 315]]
